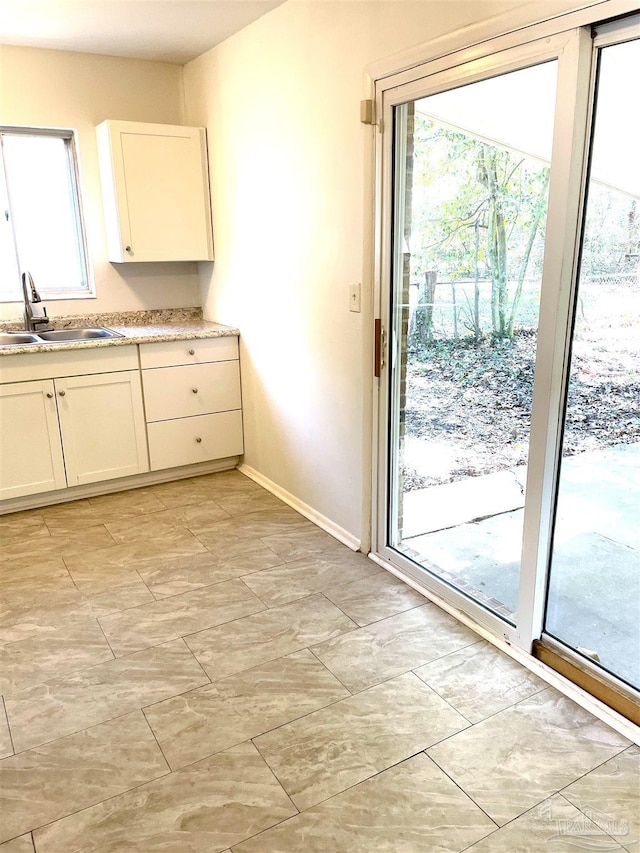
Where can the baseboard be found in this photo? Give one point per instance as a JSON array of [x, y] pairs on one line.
[[309, 512], [121, 484], [603, 712]]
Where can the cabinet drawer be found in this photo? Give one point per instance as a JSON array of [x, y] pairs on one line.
[[189, 440], [169, 353], [197, 389], [81, 362]]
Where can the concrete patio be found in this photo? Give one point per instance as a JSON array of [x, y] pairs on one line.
[[471, 531]]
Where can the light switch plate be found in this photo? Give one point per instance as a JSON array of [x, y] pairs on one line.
[[354, 297]]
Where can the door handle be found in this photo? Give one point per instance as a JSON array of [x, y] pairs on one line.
[[379, 344]]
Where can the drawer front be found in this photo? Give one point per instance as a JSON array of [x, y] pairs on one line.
[[190, 440], [56, 363], [170, 353], [197, 389]]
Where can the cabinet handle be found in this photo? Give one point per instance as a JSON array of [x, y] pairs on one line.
[[195, 390], [127, 249], [192, 352], [62, 393], [198, 440], [49, 394]]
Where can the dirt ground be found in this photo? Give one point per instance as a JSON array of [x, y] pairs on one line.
[[475, 400]]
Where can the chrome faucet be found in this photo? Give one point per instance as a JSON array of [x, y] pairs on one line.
[[35, 313]]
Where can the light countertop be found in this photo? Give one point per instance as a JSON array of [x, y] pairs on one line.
[[136, 327]]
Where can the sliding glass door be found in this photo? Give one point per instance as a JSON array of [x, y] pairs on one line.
[[509, 405], [593, 602], [472, 203]]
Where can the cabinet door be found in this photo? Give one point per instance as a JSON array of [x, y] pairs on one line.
[[30, 448], [102, 425], [156, 185]]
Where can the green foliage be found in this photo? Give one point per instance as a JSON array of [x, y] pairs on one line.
[[614, 249], [478, 213]]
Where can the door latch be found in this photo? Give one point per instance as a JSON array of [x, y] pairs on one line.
[[379, 344]]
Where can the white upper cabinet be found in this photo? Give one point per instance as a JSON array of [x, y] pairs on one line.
[[155, 187]]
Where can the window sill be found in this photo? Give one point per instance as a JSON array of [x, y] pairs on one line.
[[7, 299]]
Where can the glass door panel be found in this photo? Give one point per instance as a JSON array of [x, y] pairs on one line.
[[471, 186], [593, 603]]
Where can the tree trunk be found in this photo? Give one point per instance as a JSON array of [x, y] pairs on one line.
[[537, 217], [633, 244], [476, 287], [423, 323], [496, 239], [454, 310]]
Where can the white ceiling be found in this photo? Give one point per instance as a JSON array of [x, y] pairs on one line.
[[165, 30]]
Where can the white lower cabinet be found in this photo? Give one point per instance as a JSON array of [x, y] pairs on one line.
[[70, 418], [185, 441], [192, 401], [69, 430], [102, 426], [30, 444], [192, 389]]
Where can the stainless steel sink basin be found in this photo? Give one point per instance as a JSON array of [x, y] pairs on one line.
[[78, 334], [8, 339]]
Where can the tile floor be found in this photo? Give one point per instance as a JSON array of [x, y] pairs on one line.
[[195, 668]]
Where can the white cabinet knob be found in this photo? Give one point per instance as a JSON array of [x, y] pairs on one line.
[[49, 394], [192, 352], [62, 393], [198, 441], [195, 390]]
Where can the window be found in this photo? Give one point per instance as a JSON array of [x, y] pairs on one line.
[[41, 227]]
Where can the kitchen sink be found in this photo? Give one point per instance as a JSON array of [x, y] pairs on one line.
[[8, 339], [78, 334]]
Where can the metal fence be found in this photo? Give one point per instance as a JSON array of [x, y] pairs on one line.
[[603, 299]]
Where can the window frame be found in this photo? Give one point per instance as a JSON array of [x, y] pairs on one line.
[[69, 136]]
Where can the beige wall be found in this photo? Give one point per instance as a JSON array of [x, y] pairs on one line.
[[75, 90], [292, 177]]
